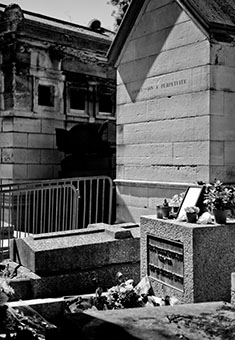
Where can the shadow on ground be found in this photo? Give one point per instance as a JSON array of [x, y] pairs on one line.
[[85, 327]]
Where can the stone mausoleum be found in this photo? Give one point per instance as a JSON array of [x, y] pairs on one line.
[[175, 100], [55, 84]]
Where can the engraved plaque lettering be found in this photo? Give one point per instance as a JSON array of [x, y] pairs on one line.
[[166, 261]]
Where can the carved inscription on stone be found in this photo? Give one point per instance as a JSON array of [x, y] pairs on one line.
[[161, 85], [166, 261]]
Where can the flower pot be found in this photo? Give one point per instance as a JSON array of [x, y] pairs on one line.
[[166, 211], [191, 217], [163, 212], [175, 209], [220, 216]]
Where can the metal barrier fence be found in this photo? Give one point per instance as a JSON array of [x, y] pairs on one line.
[[52, 205]]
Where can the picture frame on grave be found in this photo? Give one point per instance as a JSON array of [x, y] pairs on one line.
[[193, 197]]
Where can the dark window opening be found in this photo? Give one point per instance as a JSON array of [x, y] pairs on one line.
[[105, 103], [46, 95], [77, 99]]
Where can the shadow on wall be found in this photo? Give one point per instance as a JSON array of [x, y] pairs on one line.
[[125, 215], [147, 49]]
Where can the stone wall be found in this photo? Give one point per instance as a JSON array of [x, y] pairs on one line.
[[174, 114], [163, 108], [165, 103], [27, 129], [30, 154], [137, 198], [222, 115], [40, 59]]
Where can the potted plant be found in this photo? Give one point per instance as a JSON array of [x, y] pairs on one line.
[[192, 213], [219, 199], [163, 211], [176, 201]]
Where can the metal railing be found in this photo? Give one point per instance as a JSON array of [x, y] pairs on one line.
[[52, 205]]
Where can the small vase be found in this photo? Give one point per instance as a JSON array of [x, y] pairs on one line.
[[163, 212], [175, 209], [191, 217], [166, 211], [220, 216], [159, 211]]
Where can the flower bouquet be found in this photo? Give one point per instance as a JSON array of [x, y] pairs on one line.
[[177, 199], [219, 199], [192, 213]]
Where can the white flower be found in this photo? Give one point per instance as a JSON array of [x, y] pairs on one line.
[[5, 287], [192, 209]]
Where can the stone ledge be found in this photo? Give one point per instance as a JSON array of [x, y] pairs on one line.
[[117, 231], [151, 184], [49, 308], [66, 233]]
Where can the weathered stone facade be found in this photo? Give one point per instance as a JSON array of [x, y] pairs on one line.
[[53, 75], [175, 100]]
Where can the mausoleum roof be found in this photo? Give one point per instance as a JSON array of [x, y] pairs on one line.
[[215, 17], [101, 33], [221, 12]]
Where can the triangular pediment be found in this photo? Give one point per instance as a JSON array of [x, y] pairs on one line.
[[215, 17]]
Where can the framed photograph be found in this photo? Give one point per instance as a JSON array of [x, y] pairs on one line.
[[193, 197]]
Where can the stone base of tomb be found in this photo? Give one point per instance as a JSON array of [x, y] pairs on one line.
[[77, 261], [192, 262]]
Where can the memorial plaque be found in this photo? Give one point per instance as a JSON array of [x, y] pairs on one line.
[[166, 261]]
